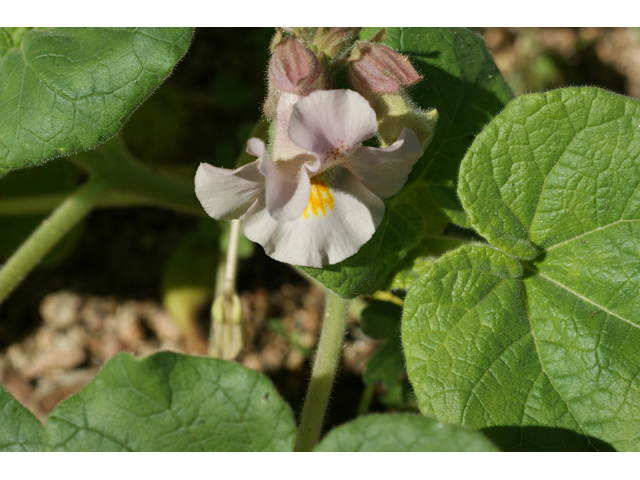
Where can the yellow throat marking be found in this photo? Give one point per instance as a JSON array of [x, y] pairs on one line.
[[320, 198]]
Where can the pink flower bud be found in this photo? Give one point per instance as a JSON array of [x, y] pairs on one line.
[[374, 67], [293, 68]]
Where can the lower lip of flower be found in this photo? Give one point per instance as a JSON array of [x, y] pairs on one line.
[[320, 199]]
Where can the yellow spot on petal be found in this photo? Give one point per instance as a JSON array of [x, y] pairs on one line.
[[320, 199]]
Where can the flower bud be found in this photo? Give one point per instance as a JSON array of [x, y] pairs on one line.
[[378, 73], [374, 67], [294, 68]]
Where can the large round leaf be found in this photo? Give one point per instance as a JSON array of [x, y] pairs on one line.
[[402, 433], [69, 89], [553, 342], [171, 402]]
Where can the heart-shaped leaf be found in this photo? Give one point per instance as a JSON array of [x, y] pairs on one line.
[[493, 341], [68, 89], [171, 402], [20, 430], [403, 433], [463, 83]]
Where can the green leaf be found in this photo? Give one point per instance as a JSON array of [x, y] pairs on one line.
[[381, 320], [463, 83], [20, 430], [68, 89], [402, 433], [172, 402], [552, 167], [399, 397], [492, 341], [385, 365], [420, 259]]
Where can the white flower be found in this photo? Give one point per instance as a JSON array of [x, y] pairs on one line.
[[320, 199]]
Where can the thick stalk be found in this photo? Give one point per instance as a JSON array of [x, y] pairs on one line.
[[128, 176], [50, 231], [324, 372], [43, 204]]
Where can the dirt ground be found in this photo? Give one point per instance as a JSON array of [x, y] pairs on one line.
[[80, 332]]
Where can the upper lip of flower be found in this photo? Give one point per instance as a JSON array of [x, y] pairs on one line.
[[322, 203]]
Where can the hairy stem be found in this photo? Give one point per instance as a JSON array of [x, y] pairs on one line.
[[324, 372], [50, 231]]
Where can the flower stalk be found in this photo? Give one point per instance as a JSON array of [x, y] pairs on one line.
[[226, 339], [324, 371]]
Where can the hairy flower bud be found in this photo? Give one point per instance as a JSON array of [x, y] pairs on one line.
[[294, 68], [374, 67], [378, 73]]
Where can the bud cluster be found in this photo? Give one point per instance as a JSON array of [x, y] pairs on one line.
[[304, 60]]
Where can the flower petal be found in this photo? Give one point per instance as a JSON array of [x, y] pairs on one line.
[[384, 171], [226, 194], [342, 215], [332, 121], [286, 189], [283, 148]]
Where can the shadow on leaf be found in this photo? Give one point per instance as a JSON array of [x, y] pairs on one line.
[[544, 439]]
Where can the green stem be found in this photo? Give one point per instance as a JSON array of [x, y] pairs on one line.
[[133, 179], [52, 229], [43, 204], [365, 400], [160, 190], [232, 259], [324, 372], [115, 177]]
